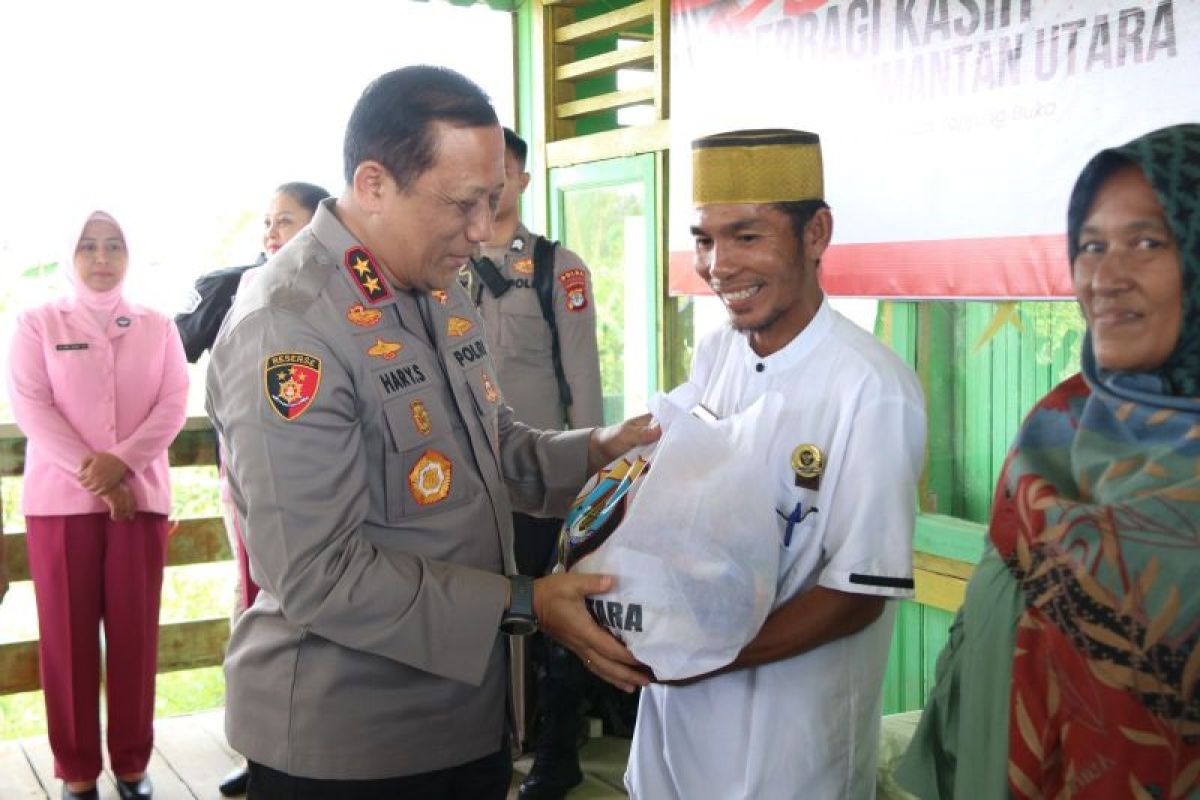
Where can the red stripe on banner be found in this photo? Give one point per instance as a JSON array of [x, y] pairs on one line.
[[999, 267]]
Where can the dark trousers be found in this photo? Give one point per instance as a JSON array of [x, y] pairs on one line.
[[487, 778]]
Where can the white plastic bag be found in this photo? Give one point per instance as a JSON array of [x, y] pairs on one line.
[[689, 529]]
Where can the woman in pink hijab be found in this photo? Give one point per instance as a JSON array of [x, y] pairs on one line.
[[99, 387]]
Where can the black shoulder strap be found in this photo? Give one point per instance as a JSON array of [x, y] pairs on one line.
[[543, 284]]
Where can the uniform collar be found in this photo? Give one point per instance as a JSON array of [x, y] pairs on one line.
[[353, 261], [794, 351]]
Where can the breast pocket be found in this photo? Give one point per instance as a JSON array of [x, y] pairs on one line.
[[522, 326], [424, 466], [485, 392], [798, 517]]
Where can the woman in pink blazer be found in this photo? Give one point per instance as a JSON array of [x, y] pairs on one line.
[[99, 387]]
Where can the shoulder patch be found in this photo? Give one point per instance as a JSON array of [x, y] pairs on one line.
[[360, 266], [574, 282], [291, 381]]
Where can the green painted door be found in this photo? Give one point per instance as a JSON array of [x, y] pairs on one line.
[[605, 212]]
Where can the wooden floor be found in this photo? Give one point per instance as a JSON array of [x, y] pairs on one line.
[[190, 756]]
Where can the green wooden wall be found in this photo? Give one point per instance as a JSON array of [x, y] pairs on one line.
[[983, 366]]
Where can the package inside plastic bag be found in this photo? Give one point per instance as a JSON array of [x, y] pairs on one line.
[[688, 528]]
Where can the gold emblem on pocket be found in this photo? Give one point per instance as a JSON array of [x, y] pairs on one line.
[[429, 478], [489, 389], [420, 417], [808, 462]]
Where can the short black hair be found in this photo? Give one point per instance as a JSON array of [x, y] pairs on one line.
[[800, 212], [393, 120], [306, 194], [517, 146]]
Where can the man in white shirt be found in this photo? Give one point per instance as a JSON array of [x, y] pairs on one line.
[[796, 715]]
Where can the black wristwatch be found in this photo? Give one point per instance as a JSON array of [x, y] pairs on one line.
[[519, 619]]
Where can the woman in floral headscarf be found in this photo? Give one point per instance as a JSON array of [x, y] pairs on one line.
[[99, 387], [1072, 669]]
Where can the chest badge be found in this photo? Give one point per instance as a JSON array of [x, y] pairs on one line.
[[458, 326], [291, 381], [523, 266], [489, 389], [574, 282], [124, 322], [441, 296], [420, 417], [808, 462], [362, 316], [360, 266], [429, 479], [384, 349]]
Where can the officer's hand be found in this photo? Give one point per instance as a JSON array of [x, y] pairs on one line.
[[120, 501], [558, 603], [100, 472], [612, 441]]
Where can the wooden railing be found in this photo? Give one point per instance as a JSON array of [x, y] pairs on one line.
[[181, 645]]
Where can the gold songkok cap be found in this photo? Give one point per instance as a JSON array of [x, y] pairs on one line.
[[773, 165]]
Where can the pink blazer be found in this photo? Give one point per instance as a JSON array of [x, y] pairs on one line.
[[76, 391]]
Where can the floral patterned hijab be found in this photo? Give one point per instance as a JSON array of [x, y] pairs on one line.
[[1097, 516]]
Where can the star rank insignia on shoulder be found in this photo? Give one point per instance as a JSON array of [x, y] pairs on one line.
[[574, 282], [361, 268], [291, 381], [458, 326]]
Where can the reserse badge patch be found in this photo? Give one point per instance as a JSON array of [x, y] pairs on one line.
[[291, 381]]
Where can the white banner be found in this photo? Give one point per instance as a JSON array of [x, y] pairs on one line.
[[956, 121]]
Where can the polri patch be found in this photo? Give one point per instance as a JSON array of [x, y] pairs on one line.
[[361, 267], [291, 381], [574, 283], [429, 479]]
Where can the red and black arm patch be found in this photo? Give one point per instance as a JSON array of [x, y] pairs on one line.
[[574, 283], [290, 381]]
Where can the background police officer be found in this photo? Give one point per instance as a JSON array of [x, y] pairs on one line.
[[549, 370]]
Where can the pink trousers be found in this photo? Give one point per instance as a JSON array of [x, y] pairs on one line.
[[87, 570]]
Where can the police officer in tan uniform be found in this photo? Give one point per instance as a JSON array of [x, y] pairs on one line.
[[544, 345], [372, 460]]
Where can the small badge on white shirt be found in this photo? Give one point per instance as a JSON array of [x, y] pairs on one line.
[[124, 322], [808, 462]]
